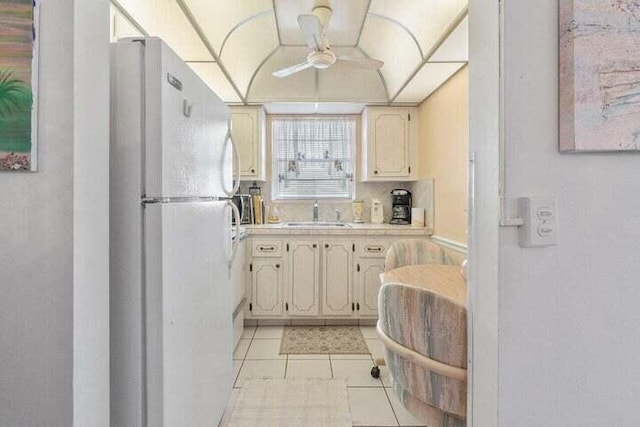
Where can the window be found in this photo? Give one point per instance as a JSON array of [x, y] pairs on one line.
[[313, 156]]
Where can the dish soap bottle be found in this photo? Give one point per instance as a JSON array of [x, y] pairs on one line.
[[274, 215]]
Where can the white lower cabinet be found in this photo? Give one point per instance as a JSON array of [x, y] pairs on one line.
[[337, 278], [237, 274], [370, 255], [303, 276], [303, 284], [238, 284], [266, 287], [368, 278]]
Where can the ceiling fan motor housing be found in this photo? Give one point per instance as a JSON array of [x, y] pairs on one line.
[[322, 59], [322, 10]]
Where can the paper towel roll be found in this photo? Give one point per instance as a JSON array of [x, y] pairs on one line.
[[417, 217]]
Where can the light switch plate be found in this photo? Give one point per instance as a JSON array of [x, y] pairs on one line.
[[540, 222]]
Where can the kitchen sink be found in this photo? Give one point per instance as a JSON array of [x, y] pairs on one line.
[[318, 224]]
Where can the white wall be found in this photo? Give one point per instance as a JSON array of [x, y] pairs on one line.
[[91, 214], [443, 130], [36, 253], [569, 316], [43, 254]]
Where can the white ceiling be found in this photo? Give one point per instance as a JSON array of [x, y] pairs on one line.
[[235, 45]]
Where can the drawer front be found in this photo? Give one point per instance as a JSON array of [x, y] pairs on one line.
[[266, 248], [373, 249]]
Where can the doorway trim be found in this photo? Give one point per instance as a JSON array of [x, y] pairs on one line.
[[485, 124]]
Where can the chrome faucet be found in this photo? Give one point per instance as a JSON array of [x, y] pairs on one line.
[[315, 211]]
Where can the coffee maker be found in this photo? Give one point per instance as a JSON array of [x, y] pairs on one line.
[[401, 210]]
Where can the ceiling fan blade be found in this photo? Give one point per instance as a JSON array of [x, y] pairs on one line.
[[312, 30], [293, 69], [368, 63]]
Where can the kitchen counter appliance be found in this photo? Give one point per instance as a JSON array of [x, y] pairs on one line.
[[245, 206], [377, 212], [171, 246], [401, 207]]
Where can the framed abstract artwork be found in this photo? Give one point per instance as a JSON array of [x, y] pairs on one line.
[[18, 85], [599, 75]]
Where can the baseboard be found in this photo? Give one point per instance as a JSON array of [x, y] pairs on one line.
[[239, 308]]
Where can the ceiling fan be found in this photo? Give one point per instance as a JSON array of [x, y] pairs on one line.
[[314, 27]]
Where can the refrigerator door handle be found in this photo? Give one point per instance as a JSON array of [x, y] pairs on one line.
[[236, 162], [234, 244]]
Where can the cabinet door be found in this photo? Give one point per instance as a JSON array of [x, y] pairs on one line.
[[237, 274], [247, 134], [266, 287], [390, 143], [304, 278], [337, 275], [368, 276]]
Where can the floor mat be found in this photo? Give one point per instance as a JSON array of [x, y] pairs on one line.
[[290, 403], [323, 340]]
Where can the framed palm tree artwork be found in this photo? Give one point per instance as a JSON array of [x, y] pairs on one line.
[[18, 85]]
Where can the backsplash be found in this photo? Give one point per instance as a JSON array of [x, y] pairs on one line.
[[423, 197], [293, 210]]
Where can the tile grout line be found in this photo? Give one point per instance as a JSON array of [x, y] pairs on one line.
[[286, 366], [286, 360], [390, 405], [330, 365], [235, 379], [244, 359]]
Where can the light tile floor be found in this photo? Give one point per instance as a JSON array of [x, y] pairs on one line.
[[371, 400]]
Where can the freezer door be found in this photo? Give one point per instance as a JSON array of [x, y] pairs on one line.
[[188, 313], [187, 149]]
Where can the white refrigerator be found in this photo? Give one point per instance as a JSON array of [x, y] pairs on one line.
[[171, 243]]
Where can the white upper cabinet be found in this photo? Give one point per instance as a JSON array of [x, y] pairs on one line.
[[389, 144], [248, 124]]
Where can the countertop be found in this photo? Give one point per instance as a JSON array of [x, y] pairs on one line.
[[353, 229]]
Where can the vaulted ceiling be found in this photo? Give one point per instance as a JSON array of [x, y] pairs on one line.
[[235, 45]]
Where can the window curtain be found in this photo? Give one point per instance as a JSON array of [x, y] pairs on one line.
[[313, 157]]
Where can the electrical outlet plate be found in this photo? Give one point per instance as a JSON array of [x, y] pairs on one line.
[[539, 216]]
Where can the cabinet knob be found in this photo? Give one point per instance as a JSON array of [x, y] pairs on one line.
[[375, 172], [315, 246], [326, 245], [253, 171], [358, 306], [277, 265]]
